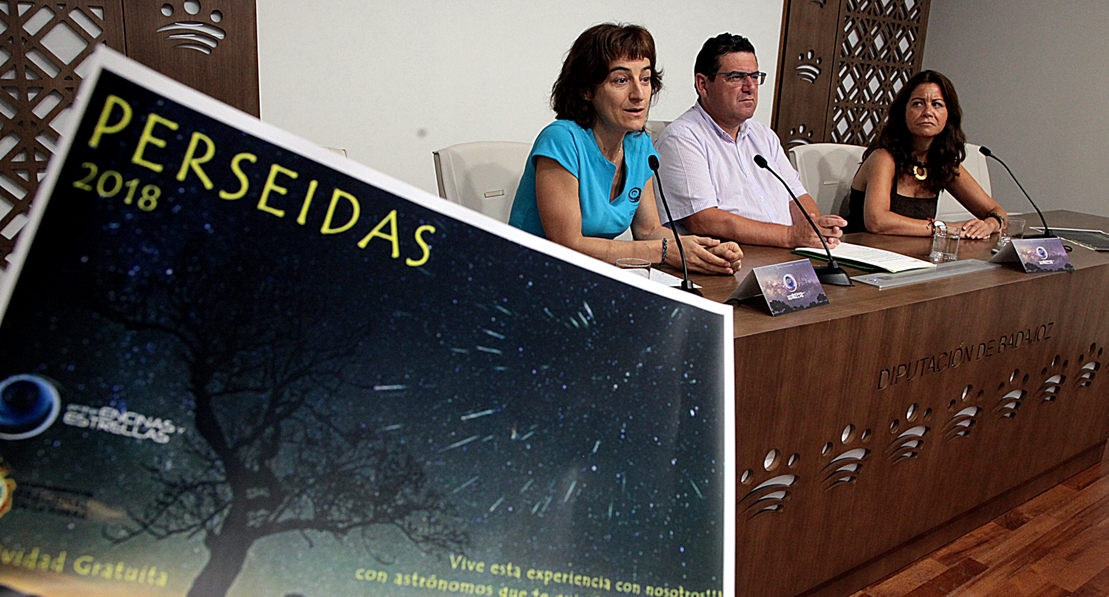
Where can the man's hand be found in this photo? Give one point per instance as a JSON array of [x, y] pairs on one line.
[[708, 255], [802, 235]]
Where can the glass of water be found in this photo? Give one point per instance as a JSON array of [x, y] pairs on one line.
[[640, 267], [945, 243], [1013, 228], [939, 242], [951, 251]]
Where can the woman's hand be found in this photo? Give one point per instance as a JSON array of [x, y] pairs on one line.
[[977, 229], [707, 255]]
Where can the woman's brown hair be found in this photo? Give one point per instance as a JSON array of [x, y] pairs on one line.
[[587, 66]]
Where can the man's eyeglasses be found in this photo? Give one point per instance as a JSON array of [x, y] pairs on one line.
[[737, 77]]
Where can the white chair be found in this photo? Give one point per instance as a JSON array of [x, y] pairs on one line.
[[949, 209], [654, 128], [482, 176], [826, 170]]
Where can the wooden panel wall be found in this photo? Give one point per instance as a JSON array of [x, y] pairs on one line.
[[211, 45]]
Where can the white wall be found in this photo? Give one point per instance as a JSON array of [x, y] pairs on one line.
[[1032, 80], [391, 82]]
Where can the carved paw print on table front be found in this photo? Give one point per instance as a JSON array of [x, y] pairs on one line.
[[189, 31], [770, 495], [844, 467], [1090, 363], [908, 444], [1012, 394], [964, 416], [1053, 376]]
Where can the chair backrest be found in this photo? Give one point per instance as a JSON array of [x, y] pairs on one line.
[[826, 170], [654, 128], [482, 175], [949, 209]]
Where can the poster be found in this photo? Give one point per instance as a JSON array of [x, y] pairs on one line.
[[236, 364]]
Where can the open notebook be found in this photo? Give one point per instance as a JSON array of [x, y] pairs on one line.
[[868, 258]]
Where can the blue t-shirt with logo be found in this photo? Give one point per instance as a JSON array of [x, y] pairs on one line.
[[575, 149]]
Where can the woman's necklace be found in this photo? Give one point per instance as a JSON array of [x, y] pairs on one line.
[[920, 171], [618, 157], [617, 153]]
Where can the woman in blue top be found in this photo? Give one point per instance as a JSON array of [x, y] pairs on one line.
[[587, 178]]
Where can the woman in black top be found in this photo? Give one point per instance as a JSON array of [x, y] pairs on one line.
[[918, 153]]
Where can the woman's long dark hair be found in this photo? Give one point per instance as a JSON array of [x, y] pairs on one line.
[[948, 148]]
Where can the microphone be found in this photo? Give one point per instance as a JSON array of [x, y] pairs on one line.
[[832, 273], [687, 285], [1047, 231]]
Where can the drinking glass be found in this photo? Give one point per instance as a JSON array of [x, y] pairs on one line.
[[640, 267], [1013, 228], [951, 250], [939, 242]]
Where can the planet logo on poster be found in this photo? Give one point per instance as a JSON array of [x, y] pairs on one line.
[[29, 404], [1041, 252], [7, 489]]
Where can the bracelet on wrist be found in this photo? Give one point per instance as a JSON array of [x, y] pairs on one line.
[[1000, 220], [663, 260]]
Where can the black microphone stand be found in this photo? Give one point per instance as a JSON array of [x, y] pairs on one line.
[[1047, 231], [832, 273], [687, 285]]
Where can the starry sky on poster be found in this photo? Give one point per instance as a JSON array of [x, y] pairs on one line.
[[570, 421]]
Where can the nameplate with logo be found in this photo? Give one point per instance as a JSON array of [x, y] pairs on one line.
[[785, 287], [1036, 255]]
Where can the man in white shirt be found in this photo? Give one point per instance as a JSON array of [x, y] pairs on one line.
[[707, 159]]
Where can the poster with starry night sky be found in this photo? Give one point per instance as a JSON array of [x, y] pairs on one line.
[[236, 364]]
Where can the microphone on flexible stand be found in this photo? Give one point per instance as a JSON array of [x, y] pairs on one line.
[[832, 273], [1047, 231], [687, 285]]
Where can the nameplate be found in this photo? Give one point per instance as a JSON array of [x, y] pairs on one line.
[[1036, 255], [786, 287]]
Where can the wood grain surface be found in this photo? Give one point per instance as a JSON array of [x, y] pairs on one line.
[[1055, 544]]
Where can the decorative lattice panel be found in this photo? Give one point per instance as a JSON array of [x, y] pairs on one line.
[[842, 63], [45, 46], [881, 46]]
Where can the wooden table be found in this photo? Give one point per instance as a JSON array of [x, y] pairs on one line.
[[878, 428]]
